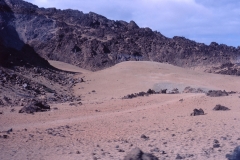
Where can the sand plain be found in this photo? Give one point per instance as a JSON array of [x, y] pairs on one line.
[[106, 126]]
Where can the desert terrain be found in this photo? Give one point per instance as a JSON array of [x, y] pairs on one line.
[[106, 126]]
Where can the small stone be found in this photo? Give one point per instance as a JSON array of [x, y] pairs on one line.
[[216, 145], [5, 136], [179, 157], [215, 141], [144, 137], [197, 112], [9, 131]]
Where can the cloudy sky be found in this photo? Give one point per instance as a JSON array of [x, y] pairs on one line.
[[200, 20]]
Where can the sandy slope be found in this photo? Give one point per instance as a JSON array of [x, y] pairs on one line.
[[67, 67], [131, 77], [106, 126]]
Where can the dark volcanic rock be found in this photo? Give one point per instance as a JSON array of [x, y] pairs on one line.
[[174, 91], [137, 154], [149, 92], [35, 107], [197, 112], [227, 68], [94, 42], [193, 90], [219, 107], [216, 93], [235, 155], [1, 103]]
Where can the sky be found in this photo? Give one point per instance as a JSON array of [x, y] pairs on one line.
[[203, 21]]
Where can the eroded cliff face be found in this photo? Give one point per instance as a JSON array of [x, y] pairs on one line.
[[94, 42]]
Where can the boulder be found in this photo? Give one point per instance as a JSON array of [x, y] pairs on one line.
[[197, 112], [235, 155], [36, 106], [137, 154], [219, 107], [217, 93]]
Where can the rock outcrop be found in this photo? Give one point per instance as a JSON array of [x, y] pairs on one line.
[[94, 42]]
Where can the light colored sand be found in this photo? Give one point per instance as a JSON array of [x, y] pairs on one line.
[[163, 118], [67, 67], [132, 77]]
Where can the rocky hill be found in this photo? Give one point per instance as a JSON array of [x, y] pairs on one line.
[[24, 75], [94, 42]]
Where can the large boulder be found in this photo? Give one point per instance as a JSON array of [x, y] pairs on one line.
[[137, 154], [217, 93], [36, 106], [219, 107], [235, 155]]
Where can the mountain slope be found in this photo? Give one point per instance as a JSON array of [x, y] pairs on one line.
[[94, 42]]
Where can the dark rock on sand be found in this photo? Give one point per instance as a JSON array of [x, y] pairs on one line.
[[220, 108], [149, 92], [197, 112], [137, 154], [36, 106], [1, 103], [143, 136], [235, 155], [217, 93], [179, 157], [193, 90], [174, 91]]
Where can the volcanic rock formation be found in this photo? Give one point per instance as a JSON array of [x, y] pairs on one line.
[[94, 42]]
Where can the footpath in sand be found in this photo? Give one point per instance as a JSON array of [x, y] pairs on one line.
[[106, 126]]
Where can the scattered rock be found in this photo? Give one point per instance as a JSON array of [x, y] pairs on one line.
[[1, 103], [36, 106], [216, 144], [216, 93], [220, 108], [5, 136], [163, 91], [179, 157], [137, 154], [174, 91], [155, 150], [192, 90], [235, 155], [197, 112], [144, 137], [181, 100], [24, 85], [149, 92], [9, 131], [121, 150]]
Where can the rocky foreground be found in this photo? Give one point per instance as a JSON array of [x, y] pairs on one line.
[[198, 120]]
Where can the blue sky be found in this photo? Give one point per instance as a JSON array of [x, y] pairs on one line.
[[200, 20]]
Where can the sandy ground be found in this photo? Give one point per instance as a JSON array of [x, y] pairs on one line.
[[106, 126], [67, 67]]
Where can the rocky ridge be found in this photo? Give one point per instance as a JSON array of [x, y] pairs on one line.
[[94, 42]]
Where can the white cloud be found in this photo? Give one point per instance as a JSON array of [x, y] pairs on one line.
[[200, 20]]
